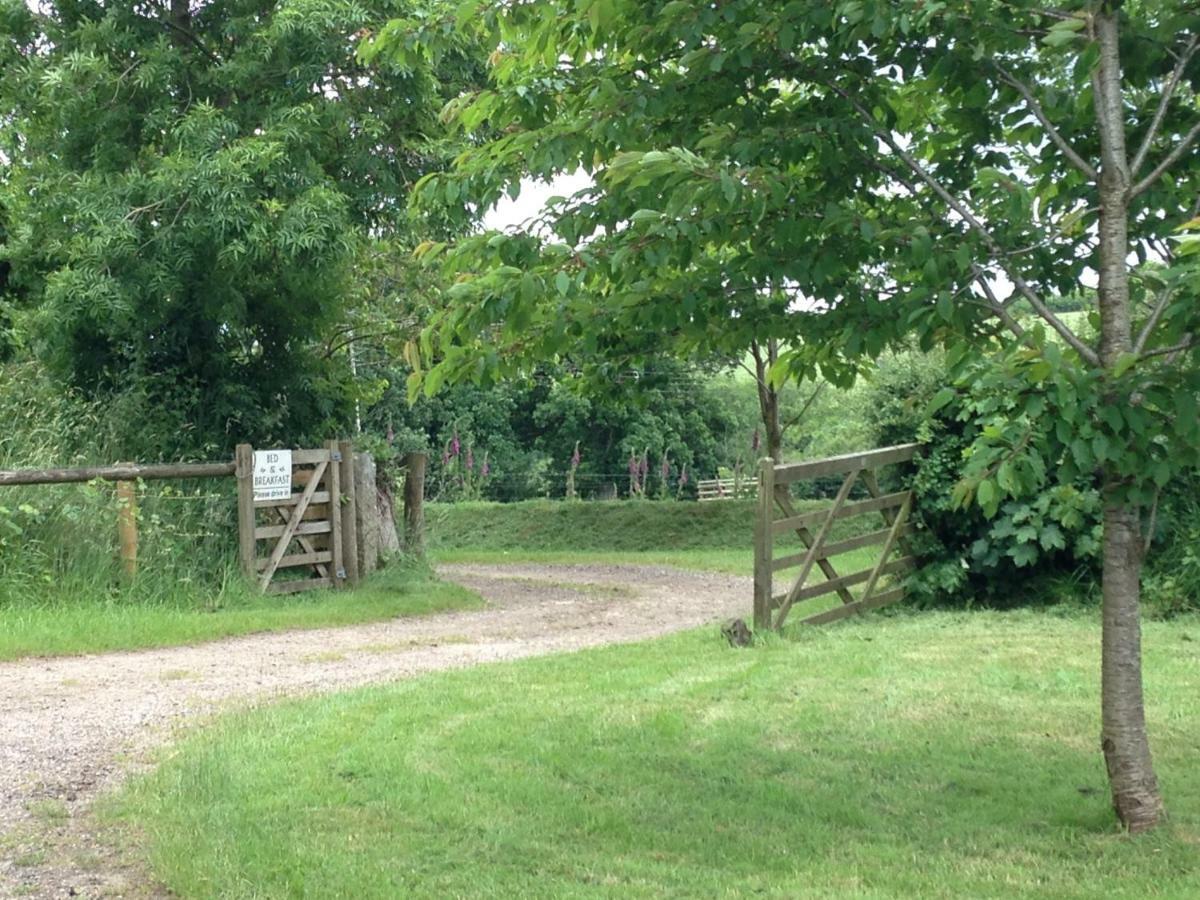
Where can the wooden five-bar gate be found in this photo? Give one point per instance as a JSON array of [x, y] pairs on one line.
[[311, 533], [814, 529]]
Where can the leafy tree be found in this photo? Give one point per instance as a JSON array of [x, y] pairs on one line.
[[190, 187], [529, 430], [890, 168]]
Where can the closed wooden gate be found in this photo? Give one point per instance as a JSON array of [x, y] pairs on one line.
[[814, 528], [304, 535]]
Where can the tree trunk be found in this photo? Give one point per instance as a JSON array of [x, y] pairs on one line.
[[1123, 732], [768, 397]]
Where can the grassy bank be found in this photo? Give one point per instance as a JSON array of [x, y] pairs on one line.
[[941, 755], [716, 537], [74, 625], [620, 526]]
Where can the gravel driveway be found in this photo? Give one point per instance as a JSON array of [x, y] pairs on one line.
[[71, 729]]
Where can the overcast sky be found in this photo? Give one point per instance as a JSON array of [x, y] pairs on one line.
[[512, 215]]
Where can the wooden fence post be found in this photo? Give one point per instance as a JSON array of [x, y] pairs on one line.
[[366, 510], [414, 505], [763, 520], [247, 547], [334, 483], [349, 512], [127, 529]]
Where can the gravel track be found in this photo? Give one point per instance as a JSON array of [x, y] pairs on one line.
[[72, 729]]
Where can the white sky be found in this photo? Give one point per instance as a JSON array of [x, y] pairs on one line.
[[512, 215]]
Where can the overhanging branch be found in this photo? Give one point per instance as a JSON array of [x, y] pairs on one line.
[[1184, 145], [1053, 133], [959, 207], [1164, 102]]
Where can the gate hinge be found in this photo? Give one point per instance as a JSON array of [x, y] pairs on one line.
[[336, 455], [341, 573]]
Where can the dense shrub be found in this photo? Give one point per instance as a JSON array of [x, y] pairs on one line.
[[1048, 537]]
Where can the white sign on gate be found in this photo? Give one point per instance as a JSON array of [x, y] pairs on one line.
[[272, 474]]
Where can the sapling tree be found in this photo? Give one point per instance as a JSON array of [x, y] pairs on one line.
[[845, 176]]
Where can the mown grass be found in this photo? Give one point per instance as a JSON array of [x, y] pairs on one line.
[[74, 625], [939, 755]]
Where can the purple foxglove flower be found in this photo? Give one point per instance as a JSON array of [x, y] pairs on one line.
[[470, 460], [665, 469], [455, 446], [683, 476], [485, 469], [754, 441], [575, 457]]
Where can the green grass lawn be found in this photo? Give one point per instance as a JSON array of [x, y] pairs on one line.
[[931, 755], [73, 626]]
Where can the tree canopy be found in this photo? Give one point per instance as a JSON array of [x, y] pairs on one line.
[[188, 190], [843, 176]]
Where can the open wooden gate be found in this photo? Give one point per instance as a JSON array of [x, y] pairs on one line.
[[814, 529], [306, 532]]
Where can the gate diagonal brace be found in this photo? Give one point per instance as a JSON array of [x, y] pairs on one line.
[[818, 543], [293, 523]]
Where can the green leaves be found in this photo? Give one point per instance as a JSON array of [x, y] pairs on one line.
[[1065, 31]]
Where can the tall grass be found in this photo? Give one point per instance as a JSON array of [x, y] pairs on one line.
[[58, 543]]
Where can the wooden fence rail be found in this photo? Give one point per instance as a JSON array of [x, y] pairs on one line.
[[771, 609], [708, 489], [122, 472]]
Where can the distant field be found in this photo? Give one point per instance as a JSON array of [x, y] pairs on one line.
[[594, 526], [714, 537]]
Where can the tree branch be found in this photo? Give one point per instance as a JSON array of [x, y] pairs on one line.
[[803, 410], [1053, 133], [193, 40], [996, 304], [1160, 307], [1163, 103], [1173, 157], [1183, 346], [997, 252]]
